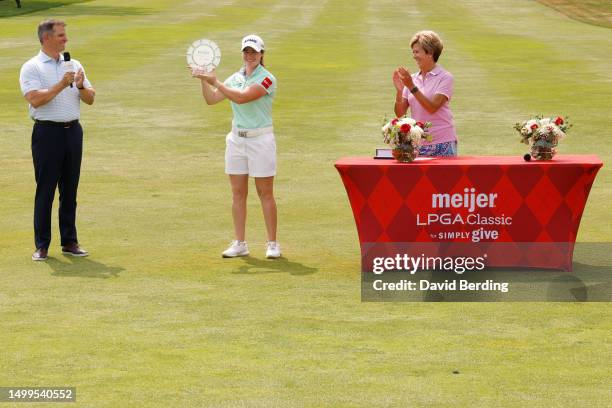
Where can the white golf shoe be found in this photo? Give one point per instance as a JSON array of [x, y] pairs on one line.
[[236, 248], [273, 250]]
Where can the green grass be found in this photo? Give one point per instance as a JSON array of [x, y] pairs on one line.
[[9, 8], [155, 318], [595, 12]]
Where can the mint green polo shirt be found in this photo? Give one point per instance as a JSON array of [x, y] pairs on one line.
[[256, 114]]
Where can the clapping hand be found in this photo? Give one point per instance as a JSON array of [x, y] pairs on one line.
[[79, 77], [397, 81], [405, 77]]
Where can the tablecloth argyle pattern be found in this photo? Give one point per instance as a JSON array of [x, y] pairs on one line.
[[543, 202]]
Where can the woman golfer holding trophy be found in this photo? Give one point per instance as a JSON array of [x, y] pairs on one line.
[[250, 146]]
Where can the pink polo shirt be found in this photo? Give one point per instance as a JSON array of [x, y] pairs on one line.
[[437, 81]]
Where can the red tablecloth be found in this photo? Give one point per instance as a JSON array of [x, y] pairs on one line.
[[520, 213]]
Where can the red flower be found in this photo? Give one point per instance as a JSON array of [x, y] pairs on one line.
[[534, 126], [421, 125], [559, 121], [394, 121], [405, 128]]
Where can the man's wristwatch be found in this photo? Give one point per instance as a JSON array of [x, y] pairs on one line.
[[414, 90], [82, 87]]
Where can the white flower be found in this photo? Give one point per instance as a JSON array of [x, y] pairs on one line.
[[416, 133], [558, 132], [409, 121], [542, 131], [545, 121], [392, 134]]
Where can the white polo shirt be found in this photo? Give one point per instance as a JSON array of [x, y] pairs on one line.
[[42, 72]]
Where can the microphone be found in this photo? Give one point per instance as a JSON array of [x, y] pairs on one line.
[[68, 64]]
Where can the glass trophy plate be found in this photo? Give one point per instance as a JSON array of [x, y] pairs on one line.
[[203, 54]]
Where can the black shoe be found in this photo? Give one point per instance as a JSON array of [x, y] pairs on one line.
[[40, 255], [74, 249]]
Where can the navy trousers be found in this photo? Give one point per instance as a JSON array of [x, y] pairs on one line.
[[57, 152]]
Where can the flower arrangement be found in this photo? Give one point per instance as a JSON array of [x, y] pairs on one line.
[[405, 135], [543, 135]]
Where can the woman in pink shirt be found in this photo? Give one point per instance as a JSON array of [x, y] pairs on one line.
[[427, 93]]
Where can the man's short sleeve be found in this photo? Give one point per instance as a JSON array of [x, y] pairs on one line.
[[29, 79], [445, 87]]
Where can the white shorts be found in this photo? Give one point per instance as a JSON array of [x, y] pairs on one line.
[[255, 156]]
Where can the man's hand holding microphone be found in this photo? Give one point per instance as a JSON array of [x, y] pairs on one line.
[[70, 76]]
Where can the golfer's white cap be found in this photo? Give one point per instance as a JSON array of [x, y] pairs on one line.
[[253, 41]]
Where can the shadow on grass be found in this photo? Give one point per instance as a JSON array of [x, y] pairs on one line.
[[586, 283], [82, 267], [67, 8], [255, 266]]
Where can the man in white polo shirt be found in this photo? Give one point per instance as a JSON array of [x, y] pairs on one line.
[[54, 92]]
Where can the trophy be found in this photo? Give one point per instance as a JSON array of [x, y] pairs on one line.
[[204, 55]]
